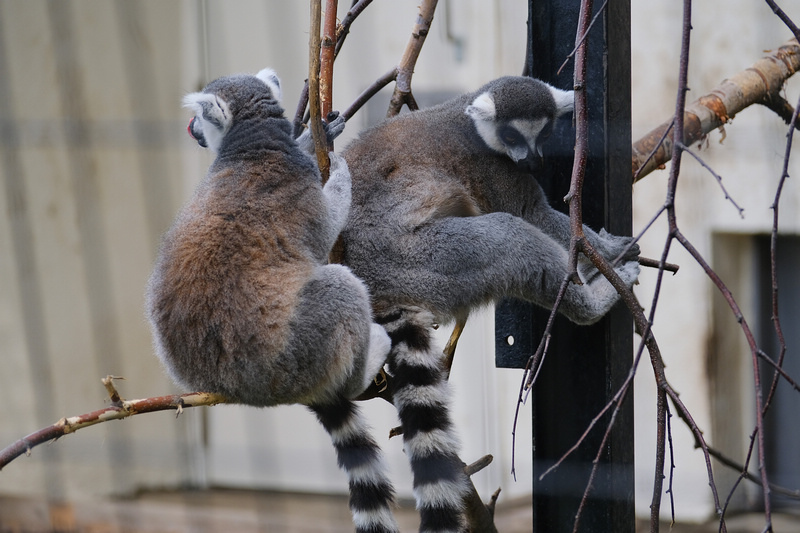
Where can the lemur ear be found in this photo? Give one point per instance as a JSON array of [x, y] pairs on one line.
[[565, 100], [482, 108], [269, 77]]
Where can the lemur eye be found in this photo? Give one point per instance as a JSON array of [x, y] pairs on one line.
[[510, 136]]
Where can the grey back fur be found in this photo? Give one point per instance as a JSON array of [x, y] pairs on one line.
[[447, 214], [240, 300]]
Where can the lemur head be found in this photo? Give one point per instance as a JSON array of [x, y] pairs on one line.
[[514, 116], [223, 99]]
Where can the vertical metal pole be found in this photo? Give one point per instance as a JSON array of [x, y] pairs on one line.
[[585, 365]]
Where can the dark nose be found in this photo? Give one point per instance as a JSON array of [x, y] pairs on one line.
[[195, 133]]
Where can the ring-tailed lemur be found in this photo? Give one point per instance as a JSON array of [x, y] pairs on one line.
[[241, 301], [448, 216]]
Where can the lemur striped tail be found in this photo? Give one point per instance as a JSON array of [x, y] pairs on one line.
[[421, 396], [371, 492]]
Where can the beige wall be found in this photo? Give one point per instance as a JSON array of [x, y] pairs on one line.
[[94, 163], [91, 174], [724, 42]]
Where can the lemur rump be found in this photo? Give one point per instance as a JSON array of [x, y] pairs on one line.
[[241, 300]]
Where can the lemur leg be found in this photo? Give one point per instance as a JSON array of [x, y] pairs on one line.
[[454, 264], [333, 342]]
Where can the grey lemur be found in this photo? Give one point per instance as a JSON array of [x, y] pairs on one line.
[[447, 216], [241, 300]]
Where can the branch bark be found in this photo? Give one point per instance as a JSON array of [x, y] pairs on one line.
[[119, 409], [327, 49], [759, 84], [405, 70], [314, 99]]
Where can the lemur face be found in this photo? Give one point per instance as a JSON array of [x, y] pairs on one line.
[[217, 104], [517, 124]]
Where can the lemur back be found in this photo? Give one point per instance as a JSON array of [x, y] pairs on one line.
[[447, 214], [241, 301]]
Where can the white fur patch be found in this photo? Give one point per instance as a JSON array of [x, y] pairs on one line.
[[442, 494], [565, 100], [423, 444], [418, 358], [379, 346], [482, 108], [209, 107], [372, 472], [424, 395], [272, 80], [482, 111], [367, 520], [353, 428]]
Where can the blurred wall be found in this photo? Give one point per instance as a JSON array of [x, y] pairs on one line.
[[95, 162], [707, 359], [91, 176]]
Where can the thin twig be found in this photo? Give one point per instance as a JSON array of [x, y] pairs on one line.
[[583, 38], [671, 465], [343, 30], [716, 176], [667, 128], [774, 251], [744, 473], [784, 18], [778, 370], [369, 92]]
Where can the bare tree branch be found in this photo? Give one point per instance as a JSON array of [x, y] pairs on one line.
[[342, 31], [405, 70], [480, 516], [759, 84], [327, 48], [119, 409], [314, 99]]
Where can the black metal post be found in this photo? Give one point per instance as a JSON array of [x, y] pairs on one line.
[[585, 365]]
